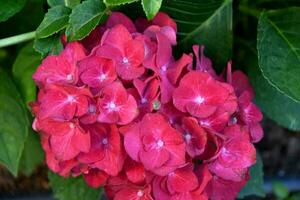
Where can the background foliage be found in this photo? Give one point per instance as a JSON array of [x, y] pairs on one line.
[[270, 56]]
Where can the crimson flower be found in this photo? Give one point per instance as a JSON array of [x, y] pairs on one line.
[[156, 144], [128, 53], [200, 95], [116, 105]]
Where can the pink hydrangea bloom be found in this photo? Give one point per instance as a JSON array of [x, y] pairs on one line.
[[118, 109]]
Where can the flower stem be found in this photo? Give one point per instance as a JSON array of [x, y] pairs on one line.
[[17, 39]]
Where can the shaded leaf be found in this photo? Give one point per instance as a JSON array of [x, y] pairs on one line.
[[118, 2], [151, 7], [27, 20], [255, 185], [23, 68], [55, 20], [207, 22], [72, 188], [277, 106], [53, 3], [9, 8], [84, 18], [13, 124], [278, 44], [51, 45], [68, 3], [33, 154]]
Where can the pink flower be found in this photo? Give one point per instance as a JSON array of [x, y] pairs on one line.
[[134, 193], [200, 95], [66, 139], [95, 178], [186, 132], [97, 72], [156, 144], [250, 115], [148, 91], [106, 153], [116, 105], [203, 63], [118, 45], [235, 157], [60, 69], [119, 18], [64, 102], [194, 136], [220, 189]]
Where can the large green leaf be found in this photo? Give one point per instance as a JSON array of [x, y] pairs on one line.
[[255, 185], [23, 68], [72, 188], [151, 7], [118, 2], [50, 45], [33, 154], [13, 124], [207, 22], [10, 7], [277, 106], [55, 20], [278, 44], [84, 18]]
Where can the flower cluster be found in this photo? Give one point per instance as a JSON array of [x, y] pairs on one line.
[[120, 110]]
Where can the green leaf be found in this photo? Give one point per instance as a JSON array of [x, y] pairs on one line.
[[277, 106], [84, 18], [151, 7], [68, 3], [55, 20], [23, 68], [53, 3], [51, 45], [278, 44], [280, 190], [72, 188], [27, 20], [33, 154], [204, 22], [118, 2], [9, 8], [13, 124], [255, 185]]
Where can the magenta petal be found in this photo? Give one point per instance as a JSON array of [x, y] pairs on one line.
[[132, 142]]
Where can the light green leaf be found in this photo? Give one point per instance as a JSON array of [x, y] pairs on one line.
[[255, 185], [9, 8], [72, 188], [68, 3], [51, 45], [280, 190], [23, 68], [13, 124], [278, 44], [55, 20], [151, 7], [33, 154], [53, 3], [118, 2], [204, 22], [84, 18]]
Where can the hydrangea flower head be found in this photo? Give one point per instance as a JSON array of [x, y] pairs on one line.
[[118, 109]]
